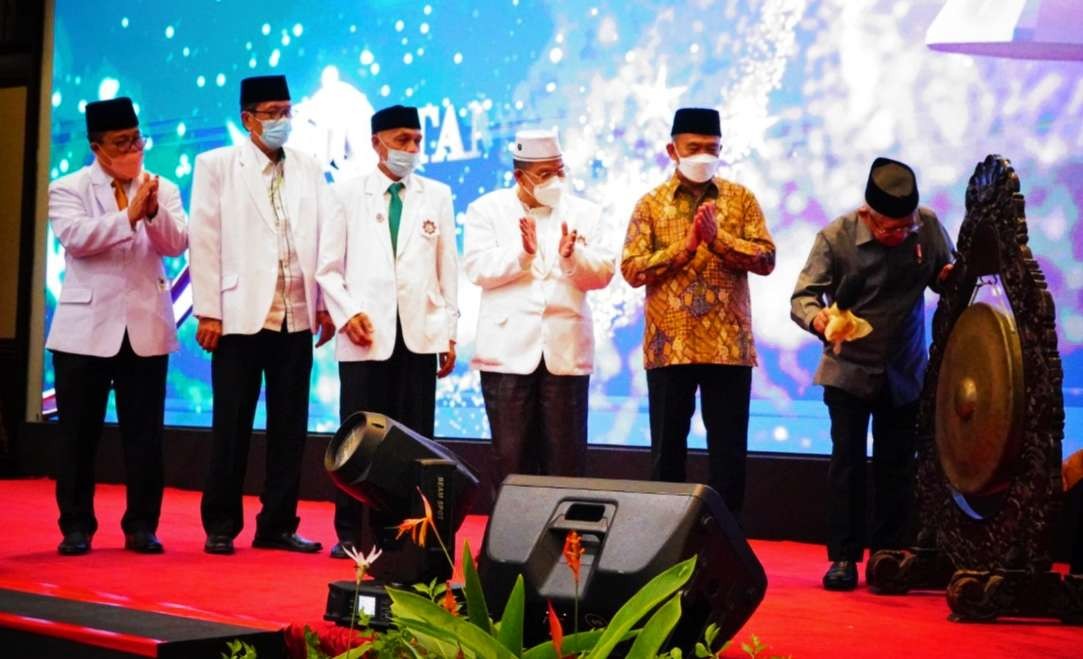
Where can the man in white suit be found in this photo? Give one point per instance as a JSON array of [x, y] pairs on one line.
[[113, 326], [260, 214], [396, 309], [535, 250]]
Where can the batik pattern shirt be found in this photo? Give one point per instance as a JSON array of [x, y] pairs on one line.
[[697, 308]]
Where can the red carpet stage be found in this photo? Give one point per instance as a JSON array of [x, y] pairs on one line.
[[268, 590]]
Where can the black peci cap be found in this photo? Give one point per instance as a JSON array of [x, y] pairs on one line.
[[892, 189], [114, 114], [701, 121], [264, 88], [396, 116]]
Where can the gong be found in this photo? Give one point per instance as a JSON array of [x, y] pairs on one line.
[[979, 401], [988, 435]]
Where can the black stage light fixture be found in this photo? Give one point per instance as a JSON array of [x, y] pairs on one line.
[[631, 531], [384, 464]]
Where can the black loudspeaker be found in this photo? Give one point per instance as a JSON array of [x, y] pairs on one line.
[[632, 531]]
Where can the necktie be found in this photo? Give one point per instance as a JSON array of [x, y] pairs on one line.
[[120, 194], [394, 213]]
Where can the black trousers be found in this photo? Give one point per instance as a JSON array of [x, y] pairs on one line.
[[724, 393], [237, 367], [892, 472], [538, 422], [82, 393], [404, 388]]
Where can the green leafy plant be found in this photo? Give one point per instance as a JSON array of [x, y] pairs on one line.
[[238, 649], [442, 633], [755, 648], [427, 620], [705, 648], [432, 590], [312, 645]]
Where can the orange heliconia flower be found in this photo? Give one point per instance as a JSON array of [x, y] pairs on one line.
[[449, 602], [417, 527], [573, 553], [556, 632]]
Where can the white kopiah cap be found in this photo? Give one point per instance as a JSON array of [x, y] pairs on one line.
[[535, 145]]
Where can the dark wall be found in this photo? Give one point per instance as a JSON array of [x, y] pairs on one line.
[[22, 26]]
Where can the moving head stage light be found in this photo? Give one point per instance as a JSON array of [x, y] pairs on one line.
[[383, 464]]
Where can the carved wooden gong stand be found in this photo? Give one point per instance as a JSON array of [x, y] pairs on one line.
[[989, 429]]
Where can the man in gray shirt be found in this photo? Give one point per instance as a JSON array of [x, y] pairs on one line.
[[887, 252]]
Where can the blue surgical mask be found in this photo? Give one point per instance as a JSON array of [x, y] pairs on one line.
[[275, 132], [401, 163]]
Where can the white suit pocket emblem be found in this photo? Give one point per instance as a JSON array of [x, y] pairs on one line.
[[428, 227]]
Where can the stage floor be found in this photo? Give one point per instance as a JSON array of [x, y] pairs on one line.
[[270, 589]]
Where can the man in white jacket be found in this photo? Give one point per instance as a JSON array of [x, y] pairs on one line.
[[535, 250], [113, 326], [260, 218], [396, 308]]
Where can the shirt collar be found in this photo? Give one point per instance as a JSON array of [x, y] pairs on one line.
[[863, 235], [385, 181], [676, 184], [526, 209], [97, 174], [265, 163]]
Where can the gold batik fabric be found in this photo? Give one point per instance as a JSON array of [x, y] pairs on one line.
[[697, 309]]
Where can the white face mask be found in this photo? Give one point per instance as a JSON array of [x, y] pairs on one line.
[[401, 163], [698, 168], [550, 192]]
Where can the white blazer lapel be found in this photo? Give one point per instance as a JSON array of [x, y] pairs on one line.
[[507, 226], [372, 201], [412, 204], [292, 194], [103, 189], [253, 179]]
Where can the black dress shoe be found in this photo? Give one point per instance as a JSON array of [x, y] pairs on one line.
[[842, 575], [142, 542], [339, 550], [75, 543], [287, 542], [218, 544]]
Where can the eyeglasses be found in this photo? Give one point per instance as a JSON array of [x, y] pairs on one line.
[[284, 113], [545, 175], [128, 144], [903, 230]]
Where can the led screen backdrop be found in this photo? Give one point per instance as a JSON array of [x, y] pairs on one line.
[[810, 92]]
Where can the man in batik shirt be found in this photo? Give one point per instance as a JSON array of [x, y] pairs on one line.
[[692, 242]]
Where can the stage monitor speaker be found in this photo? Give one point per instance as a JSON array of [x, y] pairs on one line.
[[632, 531]]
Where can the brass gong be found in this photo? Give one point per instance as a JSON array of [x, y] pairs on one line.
[[979, 401]]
